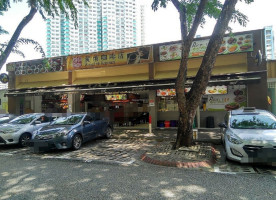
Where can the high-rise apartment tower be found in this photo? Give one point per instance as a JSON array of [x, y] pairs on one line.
[[269, 42], [104, 25]]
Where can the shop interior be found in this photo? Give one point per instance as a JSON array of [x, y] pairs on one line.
[[167, 113], [54, 103], [122, 109], [212, 109]]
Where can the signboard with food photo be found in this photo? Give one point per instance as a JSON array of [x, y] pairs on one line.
[[235, 99], [128, 56], [216, 90], [38, 66], [114, 97], [209, 90], [230, 44], [166, 93]]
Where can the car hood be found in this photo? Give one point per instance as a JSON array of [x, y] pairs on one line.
[[11, 128], [52, 129], [256, 134]]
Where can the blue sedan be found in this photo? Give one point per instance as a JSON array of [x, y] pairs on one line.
[[70, 132]]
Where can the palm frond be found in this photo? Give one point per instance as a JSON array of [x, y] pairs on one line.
[[23, 41], [37, 46], [18, 52], [3, 31]]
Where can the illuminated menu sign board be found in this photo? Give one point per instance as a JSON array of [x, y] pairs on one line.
[[115, 97], [209, 90]]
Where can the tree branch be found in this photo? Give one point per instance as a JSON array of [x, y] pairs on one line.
[[176, 4], [4, 56], [182, 72], [197, 19]]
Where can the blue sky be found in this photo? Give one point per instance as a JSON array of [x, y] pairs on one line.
[[161, 26]]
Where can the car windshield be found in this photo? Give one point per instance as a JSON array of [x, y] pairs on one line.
[[70, 120], [253, 121], [24, 119]]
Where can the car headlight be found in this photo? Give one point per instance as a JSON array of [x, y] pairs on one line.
[[234, 139], [62, 133]]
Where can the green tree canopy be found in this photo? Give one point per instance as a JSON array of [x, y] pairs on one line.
[[47, 8]]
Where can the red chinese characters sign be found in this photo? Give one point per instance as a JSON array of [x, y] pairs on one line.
[[135, 55]]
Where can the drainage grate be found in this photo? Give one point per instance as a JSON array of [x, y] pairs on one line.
[[234, 169], [266, 170]]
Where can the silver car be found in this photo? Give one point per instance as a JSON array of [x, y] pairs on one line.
[[6, 118], [249, 136], [20, 129]]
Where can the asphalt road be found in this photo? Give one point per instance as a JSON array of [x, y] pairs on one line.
[[22, 178]]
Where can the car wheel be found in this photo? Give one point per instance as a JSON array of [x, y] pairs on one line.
[[76, 142], [108, 133], [24, 138]]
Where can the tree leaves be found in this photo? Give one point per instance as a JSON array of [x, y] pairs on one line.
[[3, 31], [50, 8], [23, 41], [159, 3], [46, 8], [212, 10]]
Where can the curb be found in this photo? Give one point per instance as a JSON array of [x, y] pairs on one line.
[[205, 163]]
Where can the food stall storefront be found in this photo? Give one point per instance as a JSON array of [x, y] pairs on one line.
[[238, 78], [133, 83]]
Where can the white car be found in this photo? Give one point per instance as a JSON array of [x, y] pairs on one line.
[[20, 129], [249, 136]]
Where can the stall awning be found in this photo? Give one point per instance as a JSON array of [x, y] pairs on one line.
[[223, 79]]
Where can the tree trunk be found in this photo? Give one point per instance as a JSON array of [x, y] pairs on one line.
[[4, 56], [185, 129], [189, 102]]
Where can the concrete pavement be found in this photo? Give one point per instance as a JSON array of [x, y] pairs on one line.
[[201, 155], [211, 135]]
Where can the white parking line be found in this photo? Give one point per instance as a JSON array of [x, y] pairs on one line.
[[217, 170]]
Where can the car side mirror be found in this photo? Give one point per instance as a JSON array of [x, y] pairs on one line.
[[222, 125], [86, 122], [37, 122]]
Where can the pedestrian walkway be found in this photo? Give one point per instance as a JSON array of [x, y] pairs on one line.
[[211, 135], [202, 154]]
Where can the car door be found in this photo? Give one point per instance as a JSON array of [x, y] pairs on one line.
[[101, 127], [88, 128]]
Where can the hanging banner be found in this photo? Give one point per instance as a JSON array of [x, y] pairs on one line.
[[235, 99], [230, 44], [129, 56]]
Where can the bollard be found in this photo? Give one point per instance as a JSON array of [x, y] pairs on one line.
[[150, 127]]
